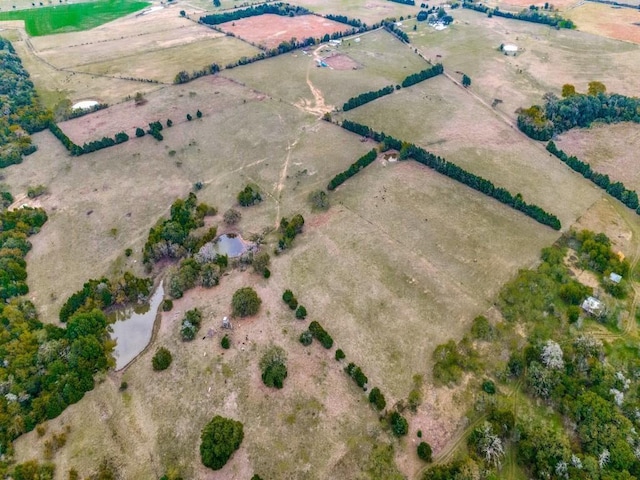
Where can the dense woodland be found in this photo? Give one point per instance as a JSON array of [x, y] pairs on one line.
[[578, 414], [22, 112], [580, 110], [455, 172], [615, 189]]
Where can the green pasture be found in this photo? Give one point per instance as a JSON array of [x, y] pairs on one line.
[[71, 18]]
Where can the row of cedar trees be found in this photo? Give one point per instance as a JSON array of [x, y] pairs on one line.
[[412, 79], [408, 150]]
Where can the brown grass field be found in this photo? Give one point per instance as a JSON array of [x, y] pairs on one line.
[[269, 31], [599, 19], [369, 11], [602, 148]]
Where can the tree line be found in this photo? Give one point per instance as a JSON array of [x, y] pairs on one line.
[[577, 110], [93, 146], [412, 79], [282, 9], [22, 111], [366, 97], [526, 15], [451, 170], [391, 27], [431, 72], [615, 189], [355, 167], [405, 2]]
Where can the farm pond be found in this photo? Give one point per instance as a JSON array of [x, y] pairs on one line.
[[133, 327]]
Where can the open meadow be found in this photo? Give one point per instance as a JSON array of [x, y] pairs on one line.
[[387, 241], [369, 11], [546, 58], [366, 62], [443, 118]]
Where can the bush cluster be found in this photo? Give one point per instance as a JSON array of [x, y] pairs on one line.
[[357, 374], [321, 335], [162, 359], [249, 196], [245, 302], [190, 324]]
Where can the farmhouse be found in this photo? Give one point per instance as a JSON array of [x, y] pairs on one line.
[[593, 306]]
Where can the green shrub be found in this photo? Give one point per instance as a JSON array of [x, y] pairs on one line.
[[190, 324], [123, 386], [419, 433], [245, 302], [376, 398], [162, 359], [340, 354], [287, 296], [293, 304], [128, 252], [250, 195], [481, 329], [167, 305], [319, 200], [306, 338], [266, 273], [301, 313], [357, 374], [321, 335], [225, 342], [424, 452], [399, 425], [489, 387], [220, 438], [273, 367]]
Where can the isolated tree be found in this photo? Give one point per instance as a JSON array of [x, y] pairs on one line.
[[225, 342], [424, 452], [139, 99], [319, 200], [231, 216], [466, 81], [596, 88], [245, 302], [568, 90], [183, 13], [220, 438], [169, 122], [162, 359], [301, 312], [139, 132], [399, 424], [189, 117], [199, 114]]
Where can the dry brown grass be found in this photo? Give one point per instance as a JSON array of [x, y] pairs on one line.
[[601, 147], [606, 20]]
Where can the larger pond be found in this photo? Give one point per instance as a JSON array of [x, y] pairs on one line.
[[133, 328]]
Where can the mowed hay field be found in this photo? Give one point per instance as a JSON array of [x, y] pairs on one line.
[[294, 77], [387, 241], [446, 120], [609, 149], [129, 186], [547, 59], [269, 30], [163, 64]]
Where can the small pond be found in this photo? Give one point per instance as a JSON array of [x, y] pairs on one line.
[[230, 244], [84, 105], [133, 327]]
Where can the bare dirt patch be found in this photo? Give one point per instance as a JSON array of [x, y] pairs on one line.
[[271, 30], [340, 61]]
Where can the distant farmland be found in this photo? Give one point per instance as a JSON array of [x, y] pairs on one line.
[[71, 18]]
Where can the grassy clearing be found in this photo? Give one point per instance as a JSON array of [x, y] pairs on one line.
[[129, 186], [547, 58], [443, 118], [381, 59], [163, 64], [66, 18]]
